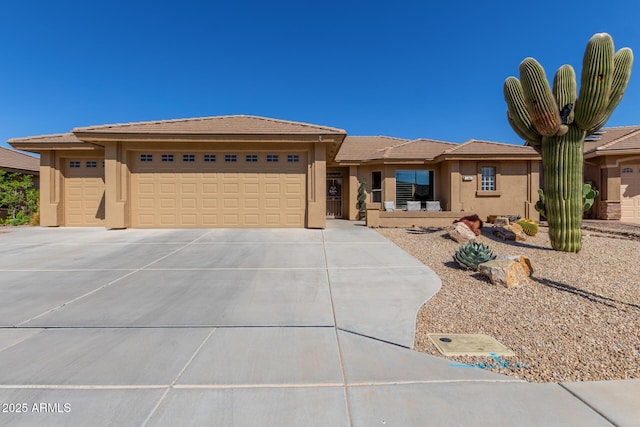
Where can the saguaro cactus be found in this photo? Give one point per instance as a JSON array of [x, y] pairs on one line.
[[556, 122]]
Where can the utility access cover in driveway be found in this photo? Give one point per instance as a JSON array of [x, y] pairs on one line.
[[469, 345]]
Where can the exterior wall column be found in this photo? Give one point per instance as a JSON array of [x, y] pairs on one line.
[[455, 198], [51, 188], [115, 186], [609, 204], [352, 200], [533, 183], [317, 188]]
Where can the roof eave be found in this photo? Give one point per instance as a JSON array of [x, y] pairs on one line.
[[37, 147], [610, 152], [103, 137]]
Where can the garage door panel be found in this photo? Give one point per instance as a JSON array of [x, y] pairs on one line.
[[272, 188], [630, 193], [219, 194], [188, 203], [84, 192]]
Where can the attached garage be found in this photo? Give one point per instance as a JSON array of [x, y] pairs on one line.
[[175, 189], [630, 193], [84, 192], [209, 172]]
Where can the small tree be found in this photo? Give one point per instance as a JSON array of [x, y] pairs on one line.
[[18, 196], [362, 197]]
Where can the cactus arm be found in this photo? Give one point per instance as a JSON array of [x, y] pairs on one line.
[[622, 62], [517, 113], [565, 92], [541, 104], [595, 81]]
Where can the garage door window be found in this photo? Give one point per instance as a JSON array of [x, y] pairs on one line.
[[74, 164], [188, 157], [146, 157], [251, 158], [293, 158], [272, 158], [167, 157], [230, 158], [92, 164], [627, 170], [209, 158]]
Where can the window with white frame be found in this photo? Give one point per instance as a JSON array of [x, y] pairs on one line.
[[488, 178]]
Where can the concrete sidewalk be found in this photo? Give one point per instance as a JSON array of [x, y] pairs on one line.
[[246, 327]]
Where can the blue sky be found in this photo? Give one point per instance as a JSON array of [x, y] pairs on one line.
[[406, 68]]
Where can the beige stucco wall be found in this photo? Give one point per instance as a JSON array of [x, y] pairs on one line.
[[604, 171], [516, 188], [52, 186], [517, 180], [118, 175]]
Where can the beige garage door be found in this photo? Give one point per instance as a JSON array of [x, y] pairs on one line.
[[218, 189], [84, 192], [630, 193]]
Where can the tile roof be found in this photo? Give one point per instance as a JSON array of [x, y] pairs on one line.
[[218, 125], [423, 149], [358, 148], [475, 147], [11, 159], [58, 138], [614, 139], [364, 148]]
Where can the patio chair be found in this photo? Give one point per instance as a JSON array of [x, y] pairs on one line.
[[414, 206], [433, 206]]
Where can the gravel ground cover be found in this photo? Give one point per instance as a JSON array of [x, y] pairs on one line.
[[578, 319]]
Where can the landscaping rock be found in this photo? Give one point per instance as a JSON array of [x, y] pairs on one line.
[[504, 234], [516, 229], [526, 262], [460, 232], [505, 272], [501, 221]]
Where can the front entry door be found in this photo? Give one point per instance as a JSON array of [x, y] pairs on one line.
[[334, 197]]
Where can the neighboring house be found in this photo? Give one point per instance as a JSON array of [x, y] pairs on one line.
[[247, 171], [612, 164], [16, 162]]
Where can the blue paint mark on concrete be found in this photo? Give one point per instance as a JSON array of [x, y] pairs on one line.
[[499, 363]]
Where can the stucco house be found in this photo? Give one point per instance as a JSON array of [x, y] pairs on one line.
[[12, 161], [248, 171]]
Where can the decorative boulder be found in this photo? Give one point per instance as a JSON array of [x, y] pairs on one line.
[[473, 222], [516, 229], [505, 272], [460, 232], [504, 234], [526, 262], [501, 221]]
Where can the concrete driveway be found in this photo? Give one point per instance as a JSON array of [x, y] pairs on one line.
[[238, 327]]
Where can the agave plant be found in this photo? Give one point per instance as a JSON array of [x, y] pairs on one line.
[[471, 254], [529, 226]]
